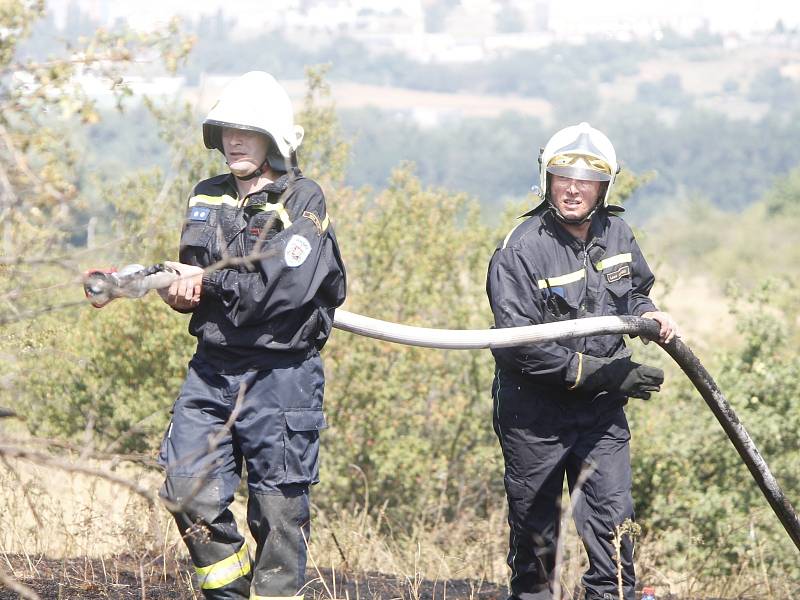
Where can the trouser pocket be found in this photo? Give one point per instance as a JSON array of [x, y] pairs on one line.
[[301, 445]]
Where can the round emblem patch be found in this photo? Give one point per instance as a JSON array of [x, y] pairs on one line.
[[297, 250]]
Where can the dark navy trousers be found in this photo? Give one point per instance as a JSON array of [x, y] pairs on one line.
[[268, 420], [544, 438]]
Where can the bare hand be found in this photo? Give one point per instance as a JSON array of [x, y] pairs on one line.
[[184, 292], [669, 328]]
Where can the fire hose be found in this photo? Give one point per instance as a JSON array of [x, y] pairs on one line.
[[135, 280]]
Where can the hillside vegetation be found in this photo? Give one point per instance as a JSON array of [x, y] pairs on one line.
[[712, 117]]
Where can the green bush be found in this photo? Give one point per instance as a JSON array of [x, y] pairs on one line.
[[411, 422], [693, 493]]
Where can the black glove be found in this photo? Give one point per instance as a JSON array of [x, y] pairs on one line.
[[614, 374]]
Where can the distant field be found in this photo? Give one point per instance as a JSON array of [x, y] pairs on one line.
[[358, 95], [705, 325], [706, 75], [426, 106], [703, 74]]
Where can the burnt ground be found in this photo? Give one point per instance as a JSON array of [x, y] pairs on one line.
[[130, 579]]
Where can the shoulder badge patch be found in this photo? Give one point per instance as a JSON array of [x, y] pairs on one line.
[[314, 219], [199, 213], [297, 250]]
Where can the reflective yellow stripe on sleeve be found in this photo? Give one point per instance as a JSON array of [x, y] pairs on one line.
[[213, 200], [561, 279], [225, 571], [283, 215], [613, 261]]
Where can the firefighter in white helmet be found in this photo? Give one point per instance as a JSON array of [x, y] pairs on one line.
[[578, 153], [261, 274], [558, 407]]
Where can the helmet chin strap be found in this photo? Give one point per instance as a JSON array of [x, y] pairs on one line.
[[562, 219], [253, 175]]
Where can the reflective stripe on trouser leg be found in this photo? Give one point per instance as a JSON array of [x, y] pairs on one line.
[[217, 549], [202, 477], [225, 571], [280, 524]]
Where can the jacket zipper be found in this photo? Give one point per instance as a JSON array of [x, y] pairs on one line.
[[240, 214], [585, 248]]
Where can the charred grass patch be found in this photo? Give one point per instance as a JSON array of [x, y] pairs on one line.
[[129, 578]]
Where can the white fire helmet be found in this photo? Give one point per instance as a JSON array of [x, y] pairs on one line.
[[256, 102], [579, 152]]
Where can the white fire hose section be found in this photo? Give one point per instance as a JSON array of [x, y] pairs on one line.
[[476, 339]]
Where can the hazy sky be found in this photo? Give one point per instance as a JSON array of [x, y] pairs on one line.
[[723, 15]]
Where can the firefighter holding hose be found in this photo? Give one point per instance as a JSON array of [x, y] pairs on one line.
[[558, 406], [260, 271]]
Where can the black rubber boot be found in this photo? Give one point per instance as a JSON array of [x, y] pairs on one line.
[[280, 524]]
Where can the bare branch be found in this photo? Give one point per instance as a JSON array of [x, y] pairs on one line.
[[106, 455], [29, 314], [575, 496], [62, 261], [44, 459], [24, 488], [15, 586]]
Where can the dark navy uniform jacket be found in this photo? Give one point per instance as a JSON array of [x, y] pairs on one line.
[[542, 274], [280, 274]]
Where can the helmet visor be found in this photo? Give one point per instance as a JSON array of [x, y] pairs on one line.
[[580, 166], [212, 132]]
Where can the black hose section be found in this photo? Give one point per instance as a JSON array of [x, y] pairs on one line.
[[729, 420], [738, 436], [141, 274]]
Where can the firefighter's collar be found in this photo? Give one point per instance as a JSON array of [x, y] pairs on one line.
[[543, 206], [597, 228]]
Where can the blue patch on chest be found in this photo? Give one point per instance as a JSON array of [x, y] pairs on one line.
[[199, 213]]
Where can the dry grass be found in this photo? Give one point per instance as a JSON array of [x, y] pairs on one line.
[[69, 535], [78, 532], [44, 511], [87, 534]]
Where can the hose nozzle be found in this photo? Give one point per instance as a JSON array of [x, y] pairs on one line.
[[101, 286]]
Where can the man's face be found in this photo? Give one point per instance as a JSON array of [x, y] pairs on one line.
[[245, 151], [574, 198]]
